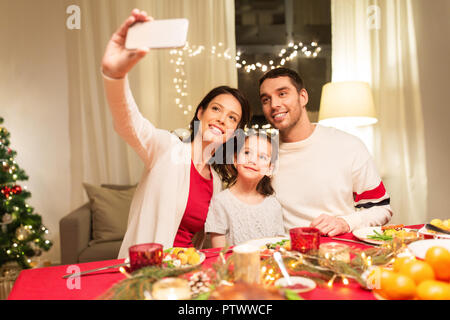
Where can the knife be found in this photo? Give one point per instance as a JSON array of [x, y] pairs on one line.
[[77, 274], [434, 228]]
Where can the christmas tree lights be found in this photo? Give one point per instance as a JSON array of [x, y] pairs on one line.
[[22, 235]]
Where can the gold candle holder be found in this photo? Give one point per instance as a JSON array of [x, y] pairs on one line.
[[247, 266], [334, 251]]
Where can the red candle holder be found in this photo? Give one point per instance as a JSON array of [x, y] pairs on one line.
[[144, 255], [304, 239]]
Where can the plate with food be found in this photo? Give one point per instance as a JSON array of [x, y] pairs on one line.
[[268, 246], [381, 235], [182, 257], [431, 230]]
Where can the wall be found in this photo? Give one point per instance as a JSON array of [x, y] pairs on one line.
[[433, 26], [33, 103]]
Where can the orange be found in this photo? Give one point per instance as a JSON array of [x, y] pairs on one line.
[[439, 259], [400, 287], [418, 271], [399, 262], [380, 279], [433, 290]]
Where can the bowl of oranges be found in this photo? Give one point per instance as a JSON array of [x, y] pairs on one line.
[[411, 278]]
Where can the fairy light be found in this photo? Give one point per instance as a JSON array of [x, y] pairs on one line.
[[330, 282], [345, 281], [288, 53], [124, 272]]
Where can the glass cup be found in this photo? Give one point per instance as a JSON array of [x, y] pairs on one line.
[[304, 239], [333, 251], [401, 240], [247, 263], [144, 255]]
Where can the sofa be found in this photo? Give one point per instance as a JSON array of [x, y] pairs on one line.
[[95, 230]]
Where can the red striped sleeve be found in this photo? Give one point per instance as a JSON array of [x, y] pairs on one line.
[[373, 194]]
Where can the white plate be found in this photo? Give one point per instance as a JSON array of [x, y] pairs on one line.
[[308, 283], [261, 243], [439, 235], [362, 234], [419, 248]]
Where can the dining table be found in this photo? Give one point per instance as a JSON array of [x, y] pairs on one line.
[[47, 283]]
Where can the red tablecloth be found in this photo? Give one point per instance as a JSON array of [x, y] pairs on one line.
[[48, 284]]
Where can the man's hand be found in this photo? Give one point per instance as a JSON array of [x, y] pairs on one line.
[[329, 225]]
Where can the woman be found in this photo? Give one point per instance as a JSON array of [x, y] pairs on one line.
[[171, 201]]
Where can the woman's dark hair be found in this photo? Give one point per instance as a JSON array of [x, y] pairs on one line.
[[264, 186], [243, 101], [219, 165], [296, 81]]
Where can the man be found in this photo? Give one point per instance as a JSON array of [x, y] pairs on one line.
[[326, 178]]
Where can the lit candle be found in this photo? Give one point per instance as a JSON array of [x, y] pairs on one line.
[[171, 289], [335, 251]]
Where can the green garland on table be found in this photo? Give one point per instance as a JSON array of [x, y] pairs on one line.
[[141, 282], [325, 270], [138, 285]]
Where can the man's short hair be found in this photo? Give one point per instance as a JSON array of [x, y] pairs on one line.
[[296, 81]]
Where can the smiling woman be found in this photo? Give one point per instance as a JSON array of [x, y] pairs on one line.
[[154, 215]]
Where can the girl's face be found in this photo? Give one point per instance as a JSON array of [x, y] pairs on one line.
[[254, 159], [220, 118]]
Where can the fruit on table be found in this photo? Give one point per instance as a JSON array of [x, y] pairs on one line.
[[418, 271], [399, 262], [439, 259], [443, 224], [433, 290], [395, 286], [186, 255]]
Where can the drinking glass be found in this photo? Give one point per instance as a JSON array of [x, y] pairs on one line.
[[146, 254], [304, 239]]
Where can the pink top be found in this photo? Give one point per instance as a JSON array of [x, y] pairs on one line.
[[200, 193]]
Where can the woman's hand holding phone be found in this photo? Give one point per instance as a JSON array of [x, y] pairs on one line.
[[117, 60]]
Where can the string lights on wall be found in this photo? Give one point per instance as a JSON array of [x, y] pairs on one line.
[[288, 53], [178, 56]]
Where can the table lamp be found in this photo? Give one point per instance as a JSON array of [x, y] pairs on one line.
[[347, 103], [349, 106]]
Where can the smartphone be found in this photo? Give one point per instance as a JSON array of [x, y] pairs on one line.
[[165, 33]]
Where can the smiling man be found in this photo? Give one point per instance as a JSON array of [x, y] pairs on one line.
[[326, 178]]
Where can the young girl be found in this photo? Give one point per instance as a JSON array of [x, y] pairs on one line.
[[247, 209]]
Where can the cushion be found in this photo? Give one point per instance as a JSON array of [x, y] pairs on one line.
[[109, 209], [100, 251]]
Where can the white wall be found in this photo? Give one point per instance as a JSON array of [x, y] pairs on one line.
[[433, 27], [33, 103]]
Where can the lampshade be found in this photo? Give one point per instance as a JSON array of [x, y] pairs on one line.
[[348, 103]]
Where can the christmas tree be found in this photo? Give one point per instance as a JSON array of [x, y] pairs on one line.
[[21, 230]]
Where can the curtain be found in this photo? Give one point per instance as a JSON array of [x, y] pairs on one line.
[[375, 41], [167, 84]]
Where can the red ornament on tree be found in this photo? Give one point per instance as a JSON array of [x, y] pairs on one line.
[[16, 189], [6, 191]]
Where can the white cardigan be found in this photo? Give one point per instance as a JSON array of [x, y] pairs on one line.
[[161, 196]]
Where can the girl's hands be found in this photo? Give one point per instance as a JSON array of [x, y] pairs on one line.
[[117, 60]]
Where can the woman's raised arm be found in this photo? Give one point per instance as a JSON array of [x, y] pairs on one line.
[[117, 60]]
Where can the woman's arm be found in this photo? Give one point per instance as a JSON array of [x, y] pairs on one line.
[[218, 240], [129, 123], [117, 60]]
